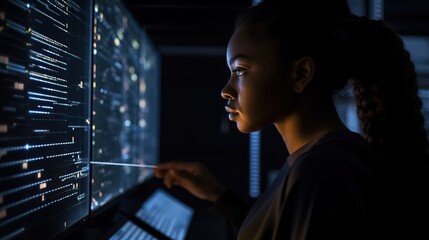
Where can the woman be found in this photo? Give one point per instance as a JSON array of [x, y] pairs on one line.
[[287, 60]]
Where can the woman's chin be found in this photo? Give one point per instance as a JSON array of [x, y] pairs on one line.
[[246, 129]]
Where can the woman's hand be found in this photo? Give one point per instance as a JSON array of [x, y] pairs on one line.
[[192, 176]]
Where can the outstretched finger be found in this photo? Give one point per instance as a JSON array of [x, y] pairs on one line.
[[168, 180], [159, 173]]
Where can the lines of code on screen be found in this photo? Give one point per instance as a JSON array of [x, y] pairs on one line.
[[125, 105], [45, 70]]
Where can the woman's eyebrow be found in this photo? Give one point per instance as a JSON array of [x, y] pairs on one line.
[[238, 56]]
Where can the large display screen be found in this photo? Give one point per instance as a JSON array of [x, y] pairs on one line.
[[45, 70]]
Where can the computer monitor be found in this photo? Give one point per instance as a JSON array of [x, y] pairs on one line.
[[125, 109], [45, 52]]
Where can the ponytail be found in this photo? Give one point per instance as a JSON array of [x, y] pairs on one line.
[[386, 89], [389, 108]]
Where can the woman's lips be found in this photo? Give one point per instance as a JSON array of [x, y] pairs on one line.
[[233, 114]]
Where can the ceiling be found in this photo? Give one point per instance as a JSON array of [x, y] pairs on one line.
[[188, 27], [204, 26]]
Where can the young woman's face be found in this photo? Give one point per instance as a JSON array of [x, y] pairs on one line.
[[259, 91]]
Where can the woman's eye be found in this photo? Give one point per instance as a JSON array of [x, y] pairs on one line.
[[239, 71]]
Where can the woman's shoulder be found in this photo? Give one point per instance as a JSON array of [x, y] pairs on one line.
[[338, 144], [334, 155]]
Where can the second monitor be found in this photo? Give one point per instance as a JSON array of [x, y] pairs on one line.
[[125, 110]]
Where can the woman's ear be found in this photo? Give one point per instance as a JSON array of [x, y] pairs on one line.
[[303, 72]]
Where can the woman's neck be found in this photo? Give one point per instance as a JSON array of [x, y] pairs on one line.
[[309, 122]]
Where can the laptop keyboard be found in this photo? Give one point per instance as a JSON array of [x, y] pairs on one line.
[[131, 231], [167, 214], [162, 211]]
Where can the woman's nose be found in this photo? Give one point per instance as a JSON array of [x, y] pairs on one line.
[[228, 92]]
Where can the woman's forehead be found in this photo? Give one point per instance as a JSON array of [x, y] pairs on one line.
[[243, 42]]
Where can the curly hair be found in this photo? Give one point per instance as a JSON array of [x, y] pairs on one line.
[[387, 96], [389, 110]]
